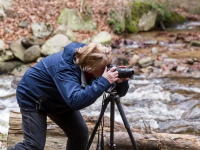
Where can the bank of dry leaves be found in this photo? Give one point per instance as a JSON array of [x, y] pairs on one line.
[[48, 11]]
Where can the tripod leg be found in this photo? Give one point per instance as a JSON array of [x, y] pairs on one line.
[[106, 101], [121, 111], [112, 120]]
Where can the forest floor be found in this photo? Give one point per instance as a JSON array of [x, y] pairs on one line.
[[49, 10]]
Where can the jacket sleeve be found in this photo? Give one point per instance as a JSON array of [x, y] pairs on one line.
[[68, 84], [122, 88]]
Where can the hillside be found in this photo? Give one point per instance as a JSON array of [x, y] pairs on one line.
[[48, 11]]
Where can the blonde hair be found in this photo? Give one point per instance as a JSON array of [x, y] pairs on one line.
[[93, 56]]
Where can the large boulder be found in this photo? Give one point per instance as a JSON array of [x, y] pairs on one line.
[[55, 44], [142, 17], [76, 20], [63, 29], [17, 49], [31, 40], [32, 53], [102, 37], [41, 29]]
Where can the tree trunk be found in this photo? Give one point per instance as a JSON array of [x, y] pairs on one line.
[[155, 141]]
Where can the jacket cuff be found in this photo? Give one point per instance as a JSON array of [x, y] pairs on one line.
[[105, 81]]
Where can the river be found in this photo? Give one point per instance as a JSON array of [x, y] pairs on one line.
[[170, 105], [164, 105]]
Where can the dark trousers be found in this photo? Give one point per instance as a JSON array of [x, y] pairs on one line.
[[34, 127]]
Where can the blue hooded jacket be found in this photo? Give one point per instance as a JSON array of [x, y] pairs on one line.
[[57, 79]]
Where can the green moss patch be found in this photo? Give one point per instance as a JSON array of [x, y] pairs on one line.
[[127, 19]]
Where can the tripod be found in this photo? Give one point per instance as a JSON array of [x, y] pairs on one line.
[[112, 98]]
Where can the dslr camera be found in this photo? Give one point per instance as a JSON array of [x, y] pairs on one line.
[[122, 72]]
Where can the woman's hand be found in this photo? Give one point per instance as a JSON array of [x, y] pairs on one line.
[[122, 79], [111, 75]]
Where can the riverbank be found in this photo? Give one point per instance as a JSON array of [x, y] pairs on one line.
[[48, 11]]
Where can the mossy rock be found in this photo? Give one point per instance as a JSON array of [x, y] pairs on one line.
[[129, 20], [75, 20], [172, 19], [137, 10]]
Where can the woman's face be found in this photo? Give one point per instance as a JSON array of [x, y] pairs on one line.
[[98, 72]]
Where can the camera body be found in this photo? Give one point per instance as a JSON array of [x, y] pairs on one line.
[[122, 72]]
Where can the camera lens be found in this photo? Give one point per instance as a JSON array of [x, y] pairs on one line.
[[125, 73]]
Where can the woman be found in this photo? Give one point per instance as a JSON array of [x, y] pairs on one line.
[[58, 87]]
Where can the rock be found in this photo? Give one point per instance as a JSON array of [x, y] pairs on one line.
[[39, 59], [145, 62], [154, 50], [31, 40], [147, 21], [4, 6], [195, 43], [102, 37], [15, 81], [7, 67], [55, 44], [6, 55], [17, 49], [41, 30], [8, 30], [24, 24], [63, 29], [76, 20], [182, 68], [151, 42], [134, 60], [32, 53], [20, 70], [192, 113], [121, 61]]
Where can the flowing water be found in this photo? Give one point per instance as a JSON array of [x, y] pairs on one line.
[[165, 105]]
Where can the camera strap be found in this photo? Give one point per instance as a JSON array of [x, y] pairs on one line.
[[102, 124], [100, 141]]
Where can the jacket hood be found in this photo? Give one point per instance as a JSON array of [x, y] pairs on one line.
[[69, 50]]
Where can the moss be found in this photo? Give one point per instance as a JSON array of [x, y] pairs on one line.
[[48, 26], [84, 17], [173, 19], [3, 137], [118, 25], [132, 26], [60, 16]]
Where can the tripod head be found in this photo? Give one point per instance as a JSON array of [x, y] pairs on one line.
[[111, 90]]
